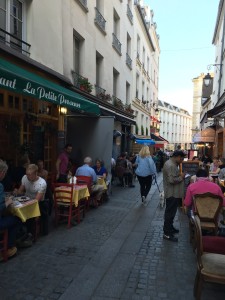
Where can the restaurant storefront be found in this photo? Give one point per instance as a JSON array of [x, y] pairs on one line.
[[32, 106]]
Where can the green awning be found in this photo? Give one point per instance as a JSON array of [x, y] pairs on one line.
[[21, 81]]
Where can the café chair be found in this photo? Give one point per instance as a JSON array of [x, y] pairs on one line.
[[64, 204], [87, 180], [210, 266], [208, 206], [4, 243]]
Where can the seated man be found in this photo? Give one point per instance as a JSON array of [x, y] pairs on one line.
[[87, 170], [10, 223], [35, 188], [201, 186]]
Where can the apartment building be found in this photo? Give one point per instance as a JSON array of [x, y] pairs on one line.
[[175, 125], [74, 63]]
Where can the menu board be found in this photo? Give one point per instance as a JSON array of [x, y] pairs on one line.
[[190, 167]]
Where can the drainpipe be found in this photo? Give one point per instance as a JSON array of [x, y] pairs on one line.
[[221, 59]]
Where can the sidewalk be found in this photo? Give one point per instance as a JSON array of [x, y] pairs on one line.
[[117, 252]]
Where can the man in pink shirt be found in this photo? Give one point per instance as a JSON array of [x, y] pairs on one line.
[[201, 186], [62, 164]]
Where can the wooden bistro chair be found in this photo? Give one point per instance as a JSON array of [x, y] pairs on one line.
[[208, 206], [210, 266], [4, 243], [64, 204], [85, 180]]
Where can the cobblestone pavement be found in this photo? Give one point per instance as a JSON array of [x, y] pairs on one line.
[[117, 252]]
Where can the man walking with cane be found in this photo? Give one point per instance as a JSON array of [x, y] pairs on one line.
[[173, 183]]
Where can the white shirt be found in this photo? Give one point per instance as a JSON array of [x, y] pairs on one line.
[[32, 188]]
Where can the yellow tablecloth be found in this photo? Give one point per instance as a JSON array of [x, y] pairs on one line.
[[101, 181], [28, 210], [79, 192]]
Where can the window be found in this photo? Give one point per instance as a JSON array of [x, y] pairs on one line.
[[143, 90], [127, 93], [12, 21], [99, 61], [138, 46], [76, 55], [143, 57], [137, 86], [147, 64], [115, 81]]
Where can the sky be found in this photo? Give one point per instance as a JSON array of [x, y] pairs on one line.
[[186, 31]]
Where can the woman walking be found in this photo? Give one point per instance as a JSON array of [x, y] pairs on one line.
[[144, 171]]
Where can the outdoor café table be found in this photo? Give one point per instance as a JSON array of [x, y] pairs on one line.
[[101, 181], [79, 192], [25, 210]]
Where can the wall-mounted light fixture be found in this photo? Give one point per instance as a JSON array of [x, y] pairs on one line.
[[62, 110], [207, 80]]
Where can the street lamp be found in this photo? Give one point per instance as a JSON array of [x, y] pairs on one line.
[[207, 80]]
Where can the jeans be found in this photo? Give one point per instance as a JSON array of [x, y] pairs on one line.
[[145, 184], [170, 212], [12, 224]]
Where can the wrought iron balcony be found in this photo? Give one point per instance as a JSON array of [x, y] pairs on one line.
[[99, 20], [83, 4], [116, 44], [14, 42], [81, 82], [117, 102], [129, 14], [128, 61]]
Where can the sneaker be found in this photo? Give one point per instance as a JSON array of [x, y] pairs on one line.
[[11, 251], [175, 230], [170, 238]]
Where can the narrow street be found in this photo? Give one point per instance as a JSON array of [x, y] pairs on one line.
[[117, 252]]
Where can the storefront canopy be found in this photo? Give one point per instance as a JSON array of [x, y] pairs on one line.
[[147, 142], [205, 136], [21, 81]]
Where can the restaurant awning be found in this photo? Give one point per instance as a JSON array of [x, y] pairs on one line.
[[19, 80], [205, 136], [147, 142], [159, 139]]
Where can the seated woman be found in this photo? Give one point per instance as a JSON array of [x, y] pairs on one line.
[[99, 169]]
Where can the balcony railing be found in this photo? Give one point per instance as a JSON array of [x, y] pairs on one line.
[[129, 14], [81, 82], [117, 102], [14, 42], [100, 93], [128, 61], [99, 20], [116, 44], [83, 4]]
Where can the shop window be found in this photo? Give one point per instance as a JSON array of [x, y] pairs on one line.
[[28, 106], [13, 102], [1, 99], [10, 101]]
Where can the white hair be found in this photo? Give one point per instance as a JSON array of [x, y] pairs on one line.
[[88, 160]]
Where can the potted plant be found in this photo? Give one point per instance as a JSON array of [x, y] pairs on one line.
[[129, 109], [85, 85], [105, 97]]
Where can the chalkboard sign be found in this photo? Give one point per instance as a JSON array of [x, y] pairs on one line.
[[190, 167]]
